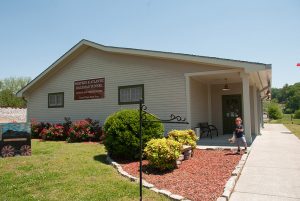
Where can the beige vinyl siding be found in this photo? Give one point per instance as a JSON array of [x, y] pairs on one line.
[[199, 102], [163, 80]]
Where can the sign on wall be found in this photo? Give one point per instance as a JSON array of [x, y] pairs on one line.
[[89, 89]]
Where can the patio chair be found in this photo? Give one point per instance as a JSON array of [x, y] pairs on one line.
[[207, 129]]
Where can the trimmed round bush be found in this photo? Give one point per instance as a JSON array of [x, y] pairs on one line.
[[163, 153], [297, 114], [122, 133], [185, 137]]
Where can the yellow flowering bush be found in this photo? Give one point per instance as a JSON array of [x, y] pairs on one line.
[[163, 153], [185, 137]]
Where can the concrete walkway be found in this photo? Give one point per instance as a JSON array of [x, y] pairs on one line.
[[272, 171]]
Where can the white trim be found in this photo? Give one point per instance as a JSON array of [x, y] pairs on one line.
[[213, 72], [182, 57]]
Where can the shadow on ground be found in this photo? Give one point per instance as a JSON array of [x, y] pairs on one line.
[[147, 169], [101, 158], [221, 140], [286, 132]]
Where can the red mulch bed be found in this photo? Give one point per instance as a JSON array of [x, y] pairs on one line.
[[203, 177]]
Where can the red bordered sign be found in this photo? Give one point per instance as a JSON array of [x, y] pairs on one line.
[[89, 89]]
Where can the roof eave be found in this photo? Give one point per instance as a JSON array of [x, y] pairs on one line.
[[253, 66], [42, 74]]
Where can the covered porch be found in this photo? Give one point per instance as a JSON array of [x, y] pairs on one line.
[[218, 97]]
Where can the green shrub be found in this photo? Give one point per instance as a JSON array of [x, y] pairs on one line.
[[274, 111], [163, 153], [122, 133], [297, 114], [185, 137]]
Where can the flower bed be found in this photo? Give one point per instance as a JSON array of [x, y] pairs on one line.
[[77, 131], [53, 132], [203, 177]]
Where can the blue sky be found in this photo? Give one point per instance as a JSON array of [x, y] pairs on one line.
[[34, 33]]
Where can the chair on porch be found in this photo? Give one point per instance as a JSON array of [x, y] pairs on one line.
[[207, 129]]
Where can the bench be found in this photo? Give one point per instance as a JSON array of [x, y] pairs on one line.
[[207, 129]]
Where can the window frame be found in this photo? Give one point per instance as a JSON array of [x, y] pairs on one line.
[[130, 86], [57, 106]]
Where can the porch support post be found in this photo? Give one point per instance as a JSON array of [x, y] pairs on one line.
[[188, 100], [255, 108], [262, 113], [209, 103], [258, 111], [246, 106]]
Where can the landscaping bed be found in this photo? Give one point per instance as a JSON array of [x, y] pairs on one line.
[[203, 177]]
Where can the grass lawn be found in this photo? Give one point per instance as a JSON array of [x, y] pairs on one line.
[[285, 120], [293, 126], [61, 171]]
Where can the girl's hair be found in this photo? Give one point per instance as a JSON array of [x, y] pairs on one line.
[[239, 119]]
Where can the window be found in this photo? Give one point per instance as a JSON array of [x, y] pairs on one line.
[[131, 94], [56, 100]]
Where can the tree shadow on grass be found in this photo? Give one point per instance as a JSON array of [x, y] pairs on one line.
[[101, 158]]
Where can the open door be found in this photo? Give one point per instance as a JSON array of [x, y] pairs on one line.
[[231, 109]]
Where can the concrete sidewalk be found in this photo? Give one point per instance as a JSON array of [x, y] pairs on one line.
[[272, 171]]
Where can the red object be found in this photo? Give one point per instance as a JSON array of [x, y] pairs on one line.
[[298, 64]]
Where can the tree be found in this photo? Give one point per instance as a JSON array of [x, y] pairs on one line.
[[14, 84], [288, 95], [8, 89], [274, 111], [297, 114]]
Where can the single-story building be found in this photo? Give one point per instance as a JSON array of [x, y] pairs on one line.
[[93, 80]]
